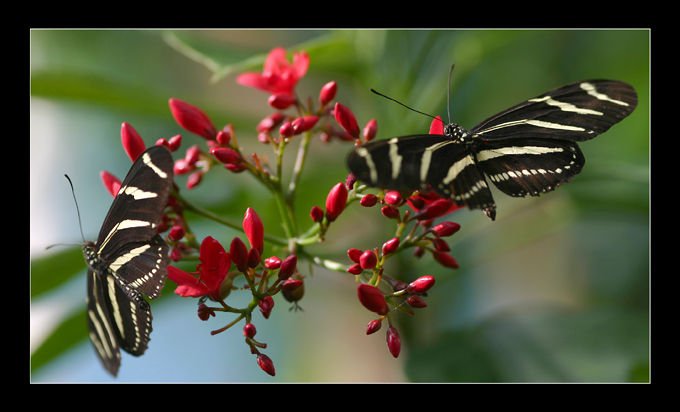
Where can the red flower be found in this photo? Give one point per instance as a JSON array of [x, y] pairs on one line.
[[212, 271], [278, 75]]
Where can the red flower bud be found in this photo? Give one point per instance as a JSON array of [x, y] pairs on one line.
[[192, 118], [174, 143], [368, 200], [372, 299], [253, 258], [445, 259], [370, 130], [390, 212], [394, 198], [223, 137], [302, 124], [286, 130], [176, 233], [416, 302], [420, 285], [393, 341], [346, 119], [440, 245], [281, 101], [235, 168], [373, 326], [291, 284], [252, 225], [293, 289], [111, 182], [132, 141], [239, 254], [226, 155], [446, 229], [266, 305], [336, 201], [194, 179], [437, 126], [390, 246], [355, 269], [270, 122], [328, 93], [354, 254], [434, 209], [287, 267], [272, 263], [249, 330], [316, 214], [368, 260], [192, 155], [266, 364]]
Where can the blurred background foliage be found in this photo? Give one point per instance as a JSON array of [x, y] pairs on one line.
[[555, 290]]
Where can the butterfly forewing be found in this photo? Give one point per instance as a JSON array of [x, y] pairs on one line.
[[136, 210], [527, 149], [129, 259], [577, 112]]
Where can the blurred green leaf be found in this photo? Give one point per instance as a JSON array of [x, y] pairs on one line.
[[68, 334], [50, 271], [549, 346]]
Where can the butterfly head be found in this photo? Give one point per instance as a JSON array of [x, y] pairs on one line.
[[455, 132]]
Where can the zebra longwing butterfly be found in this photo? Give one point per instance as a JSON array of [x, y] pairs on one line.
[[527, 149], [128, 260]]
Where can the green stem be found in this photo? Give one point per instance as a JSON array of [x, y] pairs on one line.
[[225, 221], [299, 164]]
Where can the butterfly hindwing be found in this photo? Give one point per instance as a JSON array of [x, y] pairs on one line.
[[530, 166]]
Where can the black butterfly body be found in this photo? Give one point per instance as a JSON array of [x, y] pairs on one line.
[[527, 149], [128, 260]]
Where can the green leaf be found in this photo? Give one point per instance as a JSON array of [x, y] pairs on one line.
[[53, 270], [68, 334]]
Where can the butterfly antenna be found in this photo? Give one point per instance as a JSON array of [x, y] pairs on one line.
[[397, 101], [448, 93], [77, 208]]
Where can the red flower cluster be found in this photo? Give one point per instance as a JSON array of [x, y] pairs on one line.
[[215, 278], [374, 300], [222, 270]]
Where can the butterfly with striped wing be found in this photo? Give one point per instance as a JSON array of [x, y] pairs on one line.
[[528, 149], [129, 259]]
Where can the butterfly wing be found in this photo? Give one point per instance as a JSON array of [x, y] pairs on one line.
[[530, 148], [423, 162], [129, 259], [576, 112]]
